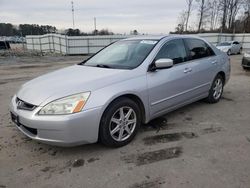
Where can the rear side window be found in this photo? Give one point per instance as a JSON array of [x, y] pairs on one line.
[[174, 50], [198, 49]]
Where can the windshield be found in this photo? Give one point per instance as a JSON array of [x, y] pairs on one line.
[[126, 54], [224, 44]]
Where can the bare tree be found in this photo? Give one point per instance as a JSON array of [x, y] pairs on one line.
[[213, 11], [181, 22], [247, 5], [247, 16], [229, 15], [188, 12], [224, 4], [203, 13], [233, 8]]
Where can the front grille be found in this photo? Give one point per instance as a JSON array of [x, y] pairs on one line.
[[24, 105]]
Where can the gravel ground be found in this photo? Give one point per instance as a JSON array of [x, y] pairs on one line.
[[200, 145]]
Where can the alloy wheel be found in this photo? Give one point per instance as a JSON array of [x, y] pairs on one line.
[[218, 87], [122, 123]]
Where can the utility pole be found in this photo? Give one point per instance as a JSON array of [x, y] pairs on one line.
[[73, 15], [95, 25]]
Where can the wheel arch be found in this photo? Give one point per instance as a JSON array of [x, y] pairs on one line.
[[131, 96], [134, 98], [223, 75]]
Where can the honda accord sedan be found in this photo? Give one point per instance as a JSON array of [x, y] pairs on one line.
[[130, 82]]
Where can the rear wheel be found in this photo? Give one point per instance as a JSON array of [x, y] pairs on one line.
[[216, 90], [120, 122]]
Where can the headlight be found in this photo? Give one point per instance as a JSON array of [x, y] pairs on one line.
[[247, 55], [225, 49], [67, 105]]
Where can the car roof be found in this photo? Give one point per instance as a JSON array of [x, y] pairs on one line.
[[147, 37], [159, 37]]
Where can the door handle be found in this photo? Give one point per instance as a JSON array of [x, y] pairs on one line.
[[187, 70], [214, 62]]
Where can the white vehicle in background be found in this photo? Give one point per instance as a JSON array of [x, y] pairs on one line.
[[230, 47]]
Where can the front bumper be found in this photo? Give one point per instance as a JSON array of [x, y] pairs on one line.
[[61, 130], [245, 62]]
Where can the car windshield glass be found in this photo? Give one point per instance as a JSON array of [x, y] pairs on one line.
[[126, 54], [224, 44]]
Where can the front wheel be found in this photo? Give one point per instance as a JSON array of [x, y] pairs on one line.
[[240, 52], [245, 68], [229, 52], [216, 90], [120, 122]]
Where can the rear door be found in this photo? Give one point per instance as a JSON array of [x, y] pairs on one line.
[[203, 65]]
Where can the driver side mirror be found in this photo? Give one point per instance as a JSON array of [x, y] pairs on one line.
[[164, 63]]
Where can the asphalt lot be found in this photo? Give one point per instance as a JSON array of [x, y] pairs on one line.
[[200, 145]]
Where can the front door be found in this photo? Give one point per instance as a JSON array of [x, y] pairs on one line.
[[166, 87]]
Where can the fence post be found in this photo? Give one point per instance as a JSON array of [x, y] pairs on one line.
[[218, 38], [60, 44], [40, 44], [49, 43], [53, 43], [33, 44], [66, 44], [88, 45]]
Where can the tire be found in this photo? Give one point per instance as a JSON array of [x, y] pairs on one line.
[[246, 68], [216, 90], [114, 120], [240, 52], [229, 52]]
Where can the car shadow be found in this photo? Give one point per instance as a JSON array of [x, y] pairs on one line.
[[157, 124]]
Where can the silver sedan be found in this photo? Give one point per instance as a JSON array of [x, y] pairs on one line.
[[109, 96], [230, 47]]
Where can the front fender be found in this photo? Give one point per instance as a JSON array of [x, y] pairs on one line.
[[104, 96]]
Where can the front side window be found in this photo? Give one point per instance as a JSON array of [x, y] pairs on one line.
[[198, 49], [174, 50], [126, 54]]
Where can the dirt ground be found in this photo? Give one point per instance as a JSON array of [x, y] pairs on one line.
[[200, 145]]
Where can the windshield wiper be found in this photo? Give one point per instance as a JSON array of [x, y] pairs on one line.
[[103, 66]]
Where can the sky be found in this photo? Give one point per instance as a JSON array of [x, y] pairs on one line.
[[119, 16]]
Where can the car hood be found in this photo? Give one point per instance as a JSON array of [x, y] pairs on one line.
[[223, 48], [67, 81]]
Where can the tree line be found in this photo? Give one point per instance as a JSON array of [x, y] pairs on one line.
[[8, 29], [231, 16]]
